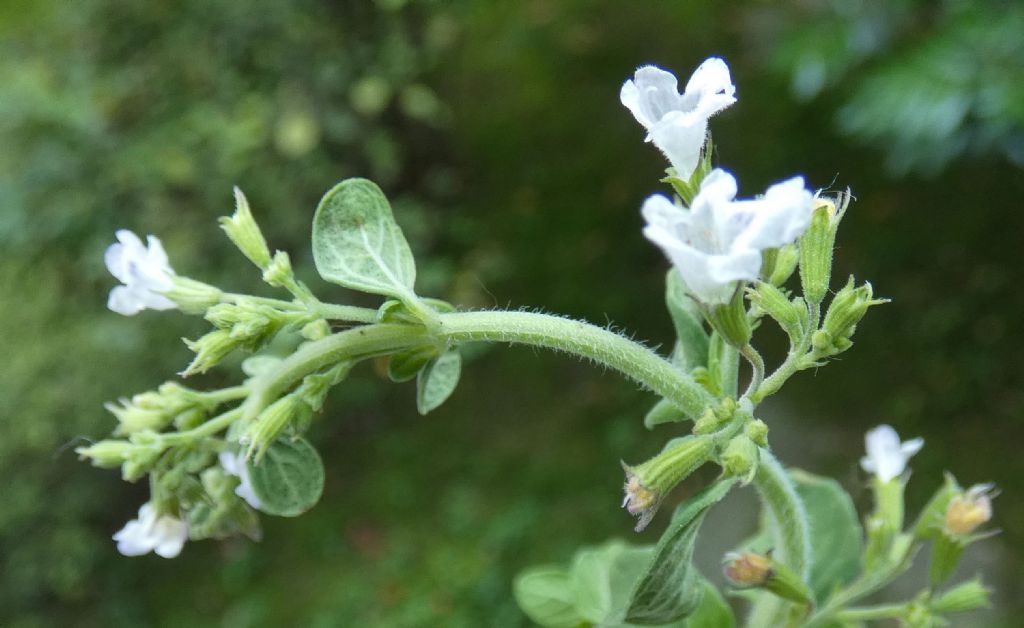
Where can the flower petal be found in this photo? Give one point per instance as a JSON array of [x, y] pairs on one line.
[[681, 137], [710, 88]]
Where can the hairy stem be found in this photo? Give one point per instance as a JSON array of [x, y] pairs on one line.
[[790, 529], [540, 330]]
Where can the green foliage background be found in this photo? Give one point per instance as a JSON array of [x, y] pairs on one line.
[[496, 130]]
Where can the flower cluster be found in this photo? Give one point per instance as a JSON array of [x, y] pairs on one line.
[[718, 241]]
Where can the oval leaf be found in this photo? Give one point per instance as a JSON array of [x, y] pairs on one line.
[[670, 588], [664, 411], [713, 612], [358, 244], [545, 595], [289, 479], [437, 381], [836, 536]]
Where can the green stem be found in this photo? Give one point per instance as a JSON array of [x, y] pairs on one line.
[[540, 330], [792, 363], [864, 613], [757, 366], [789, 526], [329, 311], [211, 427]]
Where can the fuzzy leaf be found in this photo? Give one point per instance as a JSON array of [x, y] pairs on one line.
[[358, 244], [670, 587], [664, 411], [836, 536], [545, 595], [289, 479], [713, 612], [437, 381]]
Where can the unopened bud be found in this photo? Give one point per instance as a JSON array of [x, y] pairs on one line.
[[191, 296], [279, 272], [783, 266], [647, 484], [270, 423], [210, 350], [730, 321], [740, 458], [316, 330], [757, 431], [791, 316], [847, 309], [967, 596], [747, 570], [147, 448], [242, 229], [816, 247], [106, 453]]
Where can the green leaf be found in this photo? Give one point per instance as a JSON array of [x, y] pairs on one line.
[[670, 587], [692, 349], [406, 365], [289, 479], [602, 578], [358, 244], [836, 537], [438, 380], [713, 612], [545, 594], [664, 411]]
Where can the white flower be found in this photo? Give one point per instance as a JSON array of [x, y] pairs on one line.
[[887, 456], [234, 464], [678, 123], [718, 241], [163, 534], [144, 271]]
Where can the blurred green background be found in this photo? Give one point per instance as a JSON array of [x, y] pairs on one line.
[[517, 176]]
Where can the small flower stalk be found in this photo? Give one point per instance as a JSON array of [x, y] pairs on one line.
[[647, 484]]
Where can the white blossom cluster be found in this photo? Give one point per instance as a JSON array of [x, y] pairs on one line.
[[717, 241]]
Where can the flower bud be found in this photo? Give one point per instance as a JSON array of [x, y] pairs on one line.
[[847, 308], [210, 350], [242, 229], [714, 418], [783, 265], [647, 484], [757, 431], [270, 423], [967, 596], [791, 316], [106, 453], [740, 458], [279, 271], [967, 511], [191, 296], [747, 570], [147, 446], [730, 321], [816, 246], [316, 330]]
